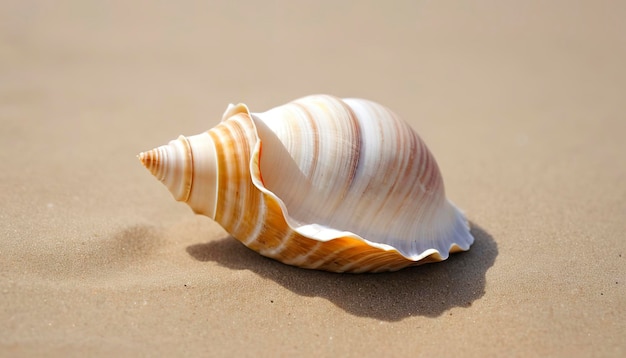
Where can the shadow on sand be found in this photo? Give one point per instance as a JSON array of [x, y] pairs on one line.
[[427, 290]]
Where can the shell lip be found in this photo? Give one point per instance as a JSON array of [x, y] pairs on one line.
[[329, 233]]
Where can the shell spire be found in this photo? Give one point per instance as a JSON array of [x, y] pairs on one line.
[[182, 162], [320, 183]]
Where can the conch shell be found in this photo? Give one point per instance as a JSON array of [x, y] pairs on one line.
[[341, 185]]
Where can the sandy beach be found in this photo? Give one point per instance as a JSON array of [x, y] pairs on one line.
[[522, 104]]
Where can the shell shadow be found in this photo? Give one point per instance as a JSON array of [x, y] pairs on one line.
[[427, 290]]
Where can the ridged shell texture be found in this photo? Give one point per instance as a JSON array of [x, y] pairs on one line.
[[341, 185]]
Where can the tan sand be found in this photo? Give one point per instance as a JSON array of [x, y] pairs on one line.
[[522, 103]]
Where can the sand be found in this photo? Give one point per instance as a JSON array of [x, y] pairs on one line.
[[522, 104]]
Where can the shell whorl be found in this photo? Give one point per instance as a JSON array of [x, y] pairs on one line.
[[325, 183], [187, 166]]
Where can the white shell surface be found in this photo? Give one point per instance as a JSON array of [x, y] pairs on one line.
[[351, 167]]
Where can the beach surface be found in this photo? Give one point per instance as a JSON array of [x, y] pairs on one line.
[[523, 104]]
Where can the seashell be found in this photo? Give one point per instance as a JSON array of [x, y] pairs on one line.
[[341, 185]]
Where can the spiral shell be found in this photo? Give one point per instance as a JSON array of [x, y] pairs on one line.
[[320, 183]]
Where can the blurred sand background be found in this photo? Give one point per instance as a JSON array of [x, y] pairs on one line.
[[523, 103]]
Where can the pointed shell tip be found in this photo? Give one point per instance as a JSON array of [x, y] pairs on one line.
[[149, 160], [141, 156]]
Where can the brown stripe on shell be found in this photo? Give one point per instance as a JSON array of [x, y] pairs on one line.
[[429, 174], [370, 184], [339, 111], [229, 144], [234, 139], [243, 187], [409, 171], [297, 255], [237, 181], [223, 144], [396, 168]]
